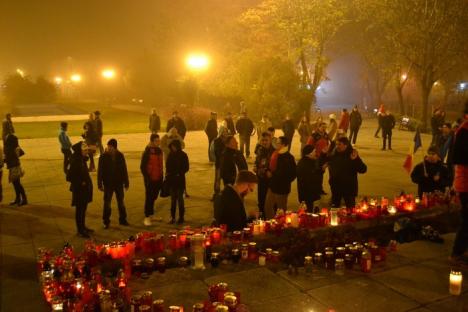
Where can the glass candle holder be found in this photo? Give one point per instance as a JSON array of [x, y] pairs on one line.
[[158, 305], [318, 259], [149, 265], [253, 251], [455, 286], [161, 264], [137, 267], [339, 266], [147, 298], [366, 262], [198, 251], [245, 251], [340, 252], [308, 264], [145, 308], [198, 307], [334, 216], [214, 260], [235, 255], [262, 259], [183, 262], [349, 261], [329, 260]]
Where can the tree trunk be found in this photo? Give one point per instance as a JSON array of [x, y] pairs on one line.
[[305, 70], [401, 102], [425, 92]]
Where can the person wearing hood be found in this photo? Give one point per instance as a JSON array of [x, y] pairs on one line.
[[81, 186], [344, 164], [309, 177], [151, 167], [355, 121], [344, 121], [281, 173], [430, 175], [112, 178], [211, 131], [332, 127]]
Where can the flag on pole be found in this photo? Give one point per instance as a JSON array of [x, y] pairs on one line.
[[408, 164]]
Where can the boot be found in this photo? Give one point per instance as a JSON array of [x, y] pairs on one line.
[[15, 202]]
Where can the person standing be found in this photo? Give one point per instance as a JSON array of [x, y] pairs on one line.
[[437, 121], [445, 148], [81, 186], [166, 140], [218, 147], [305, 131], [460, 184], [245, 127], [344, 164], [320, 141], [154, 122], [211, 130], [263, 126], [344, 121], [91, 139], [230, 124], [355, 121], [178, 123], [112, 177], [229, 209], [309, 178], [7, 127], [65, 145], [177, 165], [288, 129], [13, 152], [281, 173], [332, 126], [232, 161], [151, 167], [380, 115], [263, 153], [431, 174], [99, 130], [388, 123]]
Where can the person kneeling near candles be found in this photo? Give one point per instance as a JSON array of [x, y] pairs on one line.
[[430, 175], [229, 207]]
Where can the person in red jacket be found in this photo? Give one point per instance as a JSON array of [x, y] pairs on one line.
[[151, 167], [460, 184], [344, 121]]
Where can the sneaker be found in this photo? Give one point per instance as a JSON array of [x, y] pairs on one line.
[[147, 221]]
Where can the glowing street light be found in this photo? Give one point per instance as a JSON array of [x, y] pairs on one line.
[[108, 73], [75, 78], [404, 76], [436, 84], [463, 85], [58, 80], [20, 72], [197, 61]]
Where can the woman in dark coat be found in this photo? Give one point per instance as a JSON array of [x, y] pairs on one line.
[[91, 138], [12, 159], [81, 186], [309, 180], [177, 165]]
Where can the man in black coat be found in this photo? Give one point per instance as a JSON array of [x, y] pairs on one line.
[[263, 152], [388, 123], [244, 127], [232, 161], [288, 129], [178, 123], [177, 165], [218, 150], [230, 124], [211, 130], [229, 206], [81, 186], [309, 177], [281, 173], [431, 174], [99, 130], [154, 122], [112, 176], [355, 121], [344, 164]]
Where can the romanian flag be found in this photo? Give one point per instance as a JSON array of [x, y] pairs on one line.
[[408, 164]]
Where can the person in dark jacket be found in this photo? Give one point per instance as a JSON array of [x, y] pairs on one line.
[[99, 130], [445, 147], [211, 130], [460, 184], [178, 123], [344, 164], [245, 128], [229, 206], [263, 153], [112, 177], [232, 161], [380, 114], [81, 186], [288, 129], [388, 123], [91, 139], [437, 121], [430, 175], [309, 177], [230, 123], [355, 121], [151, 167], [218, 147], [7, 127], [281, 173], [177, 165], [154, 122], [13, 152]]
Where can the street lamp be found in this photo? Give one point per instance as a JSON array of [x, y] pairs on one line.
[[404, 76], [20, 72], [58, 80], [75, 78], [197, 62], [108, 74]]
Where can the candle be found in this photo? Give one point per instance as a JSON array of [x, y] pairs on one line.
[[456, 279], [333, 217], [198, 251], [391, 210], [294, 220], [262, 260]]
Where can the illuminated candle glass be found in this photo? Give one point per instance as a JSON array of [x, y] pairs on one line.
[[334, 217], [198, 252], [294, 220], [57, 304], [391, 210], [262, 259], [456, 279]]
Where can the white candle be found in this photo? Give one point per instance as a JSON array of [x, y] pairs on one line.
[[456, 279], [333, 217], [261, 260], [391, 210]]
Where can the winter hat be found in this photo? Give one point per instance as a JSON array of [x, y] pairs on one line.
[[332, 116], [307, 150], [112, 142]]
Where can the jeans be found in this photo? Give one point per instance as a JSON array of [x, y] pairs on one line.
[[387, 135], [461, 239], [66, 159], [244, 141], [177, 197], [353, 132], [119, 194], [152, 189], [80, 216], [262, 193]]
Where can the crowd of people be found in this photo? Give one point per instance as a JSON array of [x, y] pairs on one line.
[[324, 146]]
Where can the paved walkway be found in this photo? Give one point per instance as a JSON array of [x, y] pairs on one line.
[[49, 221]]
